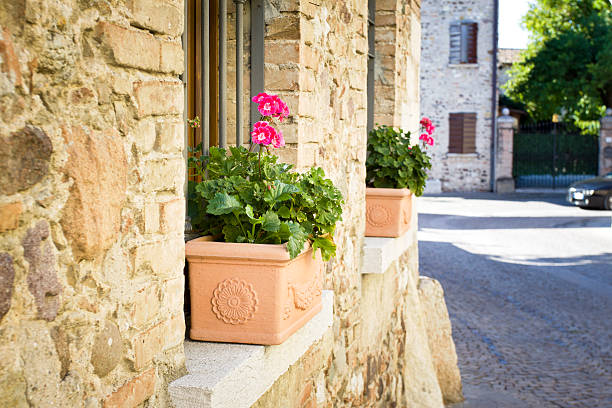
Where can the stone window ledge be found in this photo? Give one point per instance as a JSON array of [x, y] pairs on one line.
[[462, 155], [380, 253], [225, 375], [463, 65]]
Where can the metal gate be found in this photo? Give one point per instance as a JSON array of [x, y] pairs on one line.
[[552, 155]]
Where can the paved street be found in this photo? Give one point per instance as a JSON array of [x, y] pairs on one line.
[[528, 283]]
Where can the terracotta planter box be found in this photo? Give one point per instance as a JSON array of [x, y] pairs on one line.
[[388, 211], [250, 293]]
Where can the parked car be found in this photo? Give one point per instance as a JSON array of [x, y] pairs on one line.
[[592, 193]]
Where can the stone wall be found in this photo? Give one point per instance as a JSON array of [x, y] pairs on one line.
[[398, 53], [378, 352], [92, 208], [91, 182], [449, 88]]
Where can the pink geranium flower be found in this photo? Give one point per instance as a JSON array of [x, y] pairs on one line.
[[271, 106], [262, 133], [277, 139], [425, 121]]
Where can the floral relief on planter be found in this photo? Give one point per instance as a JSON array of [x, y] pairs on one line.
[[388, 211], [234, 301], [302, 296], [250, 293]]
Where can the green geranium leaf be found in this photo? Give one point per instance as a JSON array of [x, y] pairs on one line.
[[223, 203], [326, 245], [297, 239], [284, 212], [279, 192], [270, 223], [248, 210]]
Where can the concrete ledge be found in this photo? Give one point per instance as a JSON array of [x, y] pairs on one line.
[[224, 375], [380, 253]]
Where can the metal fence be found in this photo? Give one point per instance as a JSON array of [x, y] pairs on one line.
[[553, 155]]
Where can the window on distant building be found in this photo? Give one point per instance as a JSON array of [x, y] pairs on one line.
[[462, 133], [463, 42]]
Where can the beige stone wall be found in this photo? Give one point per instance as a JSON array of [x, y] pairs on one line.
[[397, 52], [377, 353], [91, 206], [449, 88]]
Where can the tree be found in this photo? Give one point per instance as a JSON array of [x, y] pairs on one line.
[[567, 67]]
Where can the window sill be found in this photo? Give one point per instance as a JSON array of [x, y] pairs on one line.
[[462, 155], [225, 375], [463, 65], [380, 253]]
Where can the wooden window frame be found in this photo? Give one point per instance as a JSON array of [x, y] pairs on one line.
[[462, 132]]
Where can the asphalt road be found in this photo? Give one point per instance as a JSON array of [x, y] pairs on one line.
[[528, 285]]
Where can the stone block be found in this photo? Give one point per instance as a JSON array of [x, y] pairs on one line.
[[7, 277], [158, 97], [172, 57], [307, 31], [162, 16], [174, 293], [10, 61], [360, 45], [144, 136], [174, 331], [308, 81], [97, 165], [24, 159], [12, 382], [282, 52], [504, 185], [107, 349], [147, 345], [146, 305], [9, 216], [173, 216], [164, 175], [310, 57], [285, 27], [440, 339], [130, 48], [147, 258], [385, 19], [134, 392], [170, 137], [42, 273], [151, 218], [287, 79]]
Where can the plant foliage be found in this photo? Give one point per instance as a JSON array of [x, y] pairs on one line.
[[393, 162], [253, 198], [567, 67]]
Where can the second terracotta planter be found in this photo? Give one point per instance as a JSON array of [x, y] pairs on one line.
[[388, 211], [250, 293]]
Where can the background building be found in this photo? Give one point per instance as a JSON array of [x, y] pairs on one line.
[[458, 90]]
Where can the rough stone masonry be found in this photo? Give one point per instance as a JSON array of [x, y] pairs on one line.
[[91, 191], [92, 207]]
